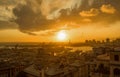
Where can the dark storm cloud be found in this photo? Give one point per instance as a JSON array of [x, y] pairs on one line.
[[6, 14], [29, 20]]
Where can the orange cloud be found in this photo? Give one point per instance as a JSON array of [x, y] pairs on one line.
[[92, 12], [87, 20], [108, 9]]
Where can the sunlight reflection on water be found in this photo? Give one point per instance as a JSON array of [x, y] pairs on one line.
[[83, 48]]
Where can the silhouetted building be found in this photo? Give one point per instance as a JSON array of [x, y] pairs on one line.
[[10, 71], [107, 40]]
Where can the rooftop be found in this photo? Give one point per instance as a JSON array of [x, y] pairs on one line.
[[31, 70], [105, 57]]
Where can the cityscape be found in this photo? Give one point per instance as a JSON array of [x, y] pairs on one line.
[[59, 38], [88, 59]]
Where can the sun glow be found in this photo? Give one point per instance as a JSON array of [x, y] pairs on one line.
[[62, 35]]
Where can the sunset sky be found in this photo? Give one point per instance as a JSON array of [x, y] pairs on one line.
[[43, 20]]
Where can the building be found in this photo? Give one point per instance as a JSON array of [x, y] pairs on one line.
[[76, 69], [103, 65], [107, 65], [115, 63], [31, 71], [10, 71]]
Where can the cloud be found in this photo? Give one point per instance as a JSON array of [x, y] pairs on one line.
[[6, 9], [51, 8], [6, 13], [90, 2], [87, 20], [36, 16], [11, 2], [7, 16], [27, 19], [47, 32], [41, 15], [108, 9], [92, 12], [8, 25]]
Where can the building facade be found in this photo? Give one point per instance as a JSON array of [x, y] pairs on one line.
[[115, 63]]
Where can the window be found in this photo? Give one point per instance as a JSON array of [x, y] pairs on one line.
[[101, 66], [117, 71], [116, 58]]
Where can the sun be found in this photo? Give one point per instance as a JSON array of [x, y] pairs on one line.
[[61, 35]]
